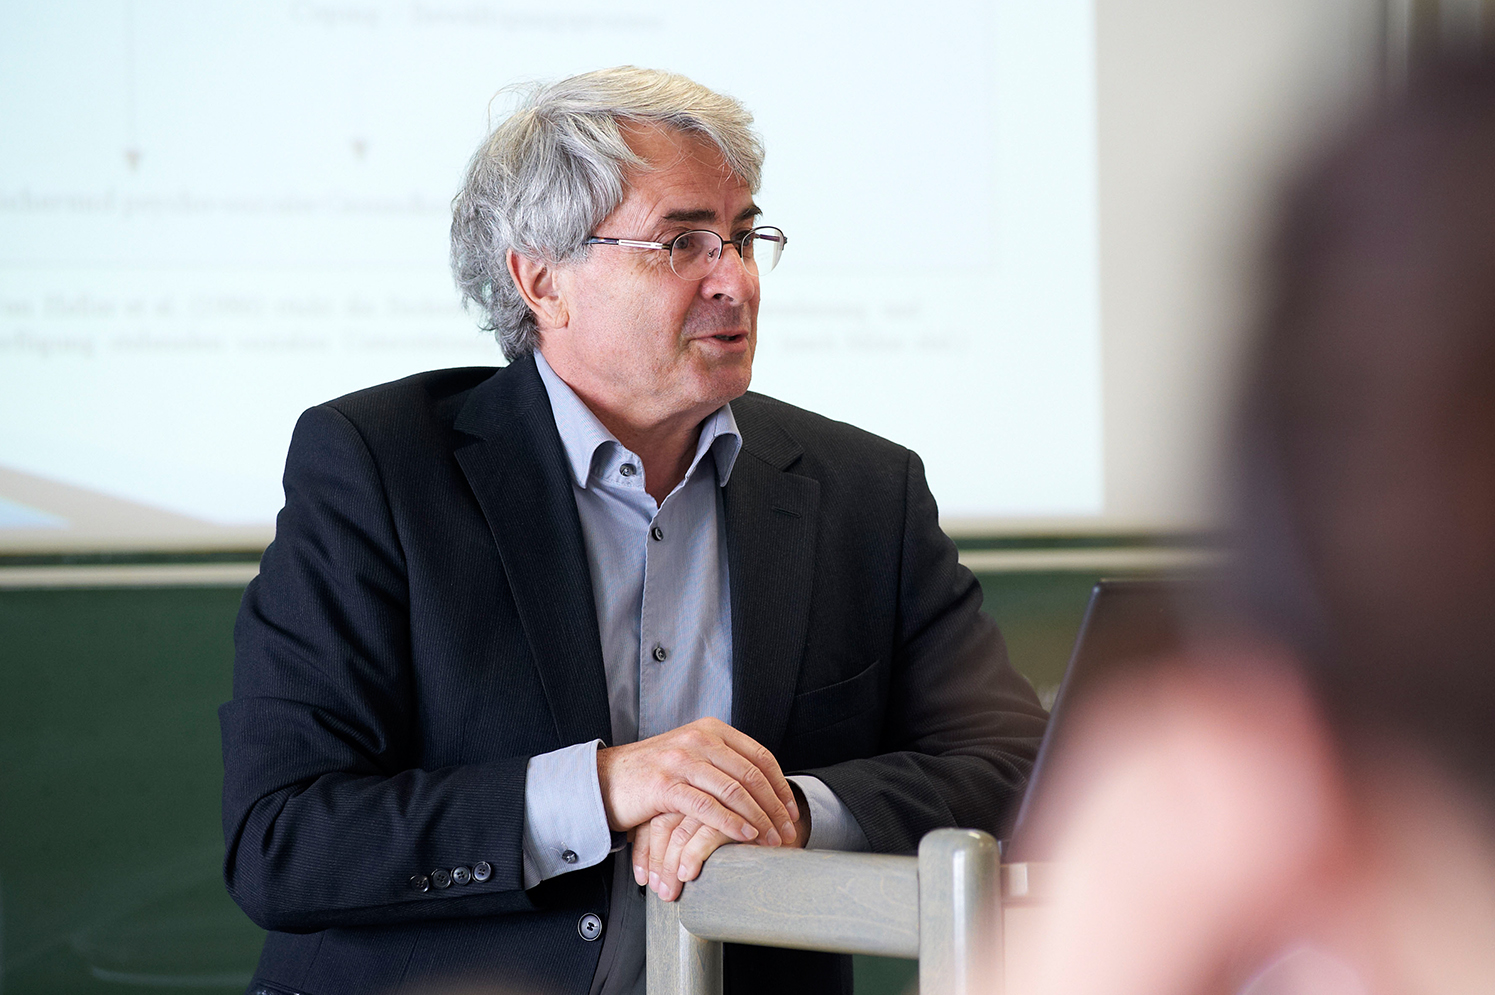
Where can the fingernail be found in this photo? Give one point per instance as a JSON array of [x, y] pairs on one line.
[[788, 828], [654, 881], [749, 831], [683, 873], [772, 839], [639, 877]]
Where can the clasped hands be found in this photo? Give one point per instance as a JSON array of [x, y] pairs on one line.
[[682, 794]]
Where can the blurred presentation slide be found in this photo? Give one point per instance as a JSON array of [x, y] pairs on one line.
[[213, 216]]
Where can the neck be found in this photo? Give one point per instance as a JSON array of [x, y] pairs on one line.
[[665, 441], [665, 450]]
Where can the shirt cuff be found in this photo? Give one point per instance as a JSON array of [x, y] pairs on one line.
[[832, 826], [565, 825]]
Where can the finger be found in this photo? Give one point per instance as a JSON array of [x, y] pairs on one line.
[[762, 758], [639, 854], [701, 845], [669, 871], [660, 829], [761, 786], [715, 770], [686, 798]]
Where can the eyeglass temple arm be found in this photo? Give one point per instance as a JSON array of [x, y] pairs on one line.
[[631, 243]]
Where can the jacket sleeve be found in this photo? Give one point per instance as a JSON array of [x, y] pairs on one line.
[[961, 727], [328, 814]]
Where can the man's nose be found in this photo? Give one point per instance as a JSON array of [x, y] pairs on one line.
[[731, 280]]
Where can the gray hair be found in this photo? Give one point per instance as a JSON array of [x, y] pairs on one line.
[[548, 174]]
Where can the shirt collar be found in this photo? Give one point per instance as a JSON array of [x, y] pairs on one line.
[[582, 434]]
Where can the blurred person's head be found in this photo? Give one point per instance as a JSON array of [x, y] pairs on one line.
[[1366, 478], [1325, 775]]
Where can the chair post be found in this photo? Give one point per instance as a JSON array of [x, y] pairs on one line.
[[678, 962], [960, 914]]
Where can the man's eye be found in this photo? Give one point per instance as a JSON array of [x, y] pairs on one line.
[[694, 244]]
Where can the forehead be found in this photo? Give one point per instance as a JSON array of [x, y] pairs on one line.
[[687, 175]]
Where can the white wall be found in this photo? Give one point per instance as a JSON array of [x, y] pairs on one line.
[[1203, 108]]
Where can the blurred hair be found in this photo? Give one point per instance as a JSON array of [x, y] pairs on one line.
[[1366, 471], [548, 174]]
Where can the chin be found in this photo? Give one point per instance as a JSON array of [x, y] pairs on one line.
[[717, 388], [734, 383]]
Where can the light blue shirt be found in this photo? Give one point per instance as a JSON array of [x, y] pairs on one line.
[[664, 613]]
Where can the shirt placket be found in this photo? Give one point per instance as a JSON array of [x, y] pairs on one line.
[[659, 633]]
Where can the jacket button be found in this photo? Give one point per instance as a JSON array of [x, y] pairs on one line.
[[590, 927], [419, 882], [482, 871], [441, 878], [461, 875], [569, 856]]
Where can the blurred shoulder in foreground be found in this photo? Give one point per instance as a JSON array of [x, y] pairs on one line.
[[1303, 800]]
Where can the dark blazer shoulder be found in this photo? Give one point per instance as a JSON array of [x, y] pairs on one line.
[[773, 429], [435, 394]]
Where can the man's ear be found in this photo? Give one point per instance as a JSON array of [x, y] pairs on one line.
[[537, 285]]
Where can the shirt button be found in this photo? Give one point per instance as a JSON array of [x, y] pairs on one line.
[[628, 469], [660, 653], [441, 878], [482, 871], [461, 875], [590, 927], [657, 534], [569, 856]]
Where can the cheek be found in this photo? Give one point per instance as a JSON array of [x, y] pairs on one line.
[[649, 304]]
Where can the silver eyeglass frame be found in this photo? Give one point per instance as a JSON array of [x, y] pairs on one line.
[[776, 235]]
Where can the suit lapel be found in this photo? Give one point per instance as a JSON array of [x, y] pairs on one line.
[[515, 464], [771, 516]]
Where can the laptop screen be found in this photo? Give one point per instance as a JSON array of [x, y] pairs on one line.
[[1127, 624]]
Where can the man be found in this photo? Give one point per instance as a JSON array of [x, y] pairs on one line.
[[512, 617]]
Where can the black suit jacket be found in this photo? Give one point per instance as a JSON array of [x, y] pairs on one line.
[[423, 624]]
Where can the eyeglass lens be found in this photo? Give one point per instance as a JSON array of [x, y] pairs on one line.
[[695, 253]]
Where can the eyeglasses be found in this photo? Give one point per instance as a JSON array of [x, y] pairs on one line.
[[694, 254]]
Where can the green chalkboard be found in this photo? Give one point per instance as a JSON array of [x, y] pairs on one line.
[[110, 840]]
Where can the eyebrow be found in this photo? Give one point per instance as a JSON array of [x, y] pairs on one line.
[[700, 214]]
